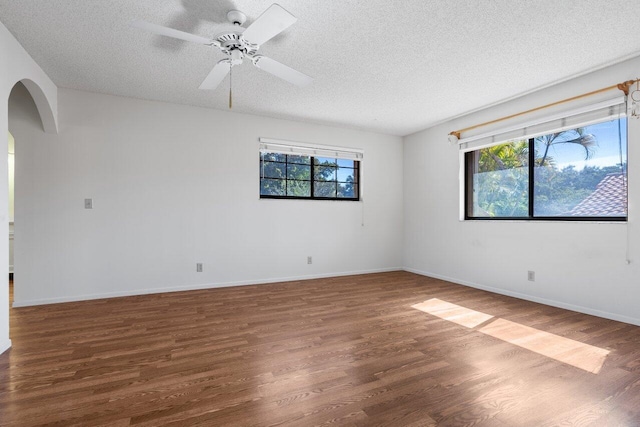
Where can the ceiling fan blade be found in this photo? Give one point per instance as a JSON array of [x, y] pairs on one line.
[[170, 32], [217, 75], [280, 70], [272, 22]]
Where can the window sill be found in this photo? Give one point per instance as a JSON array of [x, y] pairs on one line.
[[542, 221]]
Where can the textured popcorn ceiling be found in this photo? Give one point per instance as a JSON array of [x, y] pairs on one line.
[[391, 66]]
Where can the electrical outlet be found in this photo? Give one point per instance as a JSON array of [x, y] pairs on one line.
[[531, 276], [309, 260], [88, 203], [199, 267]]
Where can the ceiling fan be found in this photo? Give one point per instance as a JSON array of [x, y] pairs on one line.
[[241, 43]]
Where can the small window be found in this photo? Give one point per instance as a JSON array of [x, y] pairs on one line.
[[308, 177], [577, 174]]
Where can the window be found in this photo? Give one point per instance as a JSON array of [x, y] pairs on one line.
[[575, 174], [308, 177]]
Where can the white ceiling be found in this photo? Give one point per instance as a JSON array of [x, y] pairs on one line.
[[390, 66]]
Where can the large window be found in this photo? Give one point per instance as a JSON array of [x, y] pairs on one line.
[[577, 174], [308, 177]]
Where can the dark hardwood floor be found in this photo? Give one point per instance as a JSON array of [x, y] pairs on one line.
[[340, 351]]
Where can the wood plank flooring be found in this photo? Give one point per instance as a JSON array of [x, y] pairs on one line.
[[340, 351]]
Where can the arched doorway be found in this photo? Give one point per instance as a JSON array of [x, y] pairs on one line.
[[26, 105], [23, 119]]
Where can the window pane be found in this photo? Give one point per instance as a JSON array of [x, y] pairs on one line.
[[272, 187], [298, 188], [346, 175], [347, 190], [582, 172], [325, 161], [273, 170], [324, 189], [500, 181], [345, 163], [324, 173], [299, 172], [273, 157], [305, 160]]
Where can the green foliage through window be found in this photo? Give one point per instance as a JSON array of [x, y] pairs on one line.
[[307, 177], [575, 174]]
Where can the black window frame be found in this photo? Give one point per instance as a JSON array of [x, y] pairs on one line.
[[468, 193], [312, 164]]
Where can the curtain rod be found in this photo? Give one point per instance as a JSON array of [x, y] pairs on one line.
[[624, 87]]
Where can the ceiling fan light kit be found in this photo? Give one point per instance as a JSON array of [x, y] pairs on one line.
[[236, 17], [240, 43]]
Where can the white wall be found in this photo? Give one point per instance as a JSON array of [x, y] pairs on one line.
[[17, 65], [173, 185], [581, 266]]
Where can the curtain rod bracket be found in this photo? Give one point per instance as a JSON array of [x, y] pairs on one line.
[[624, 86]]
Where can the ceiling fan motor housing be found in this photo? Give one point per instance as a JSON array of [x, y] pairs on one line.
[[233, 41]]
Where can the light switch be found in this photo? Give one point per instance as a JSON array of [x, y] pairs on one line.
[[88, 203]]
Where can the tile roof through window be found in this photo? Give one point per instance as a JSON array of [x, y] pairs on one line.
[[608, 199]]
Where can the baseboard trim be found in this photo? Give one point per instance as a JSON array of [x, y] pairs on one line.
[[4, 346], [532, 298], [87, 297]]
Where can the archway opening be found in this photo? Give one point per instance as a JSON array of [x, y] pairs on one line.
[[24, 119]]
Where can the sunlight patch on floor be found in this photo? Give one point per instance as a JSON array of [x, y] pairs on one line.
[[454, 313], [565, 350]]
